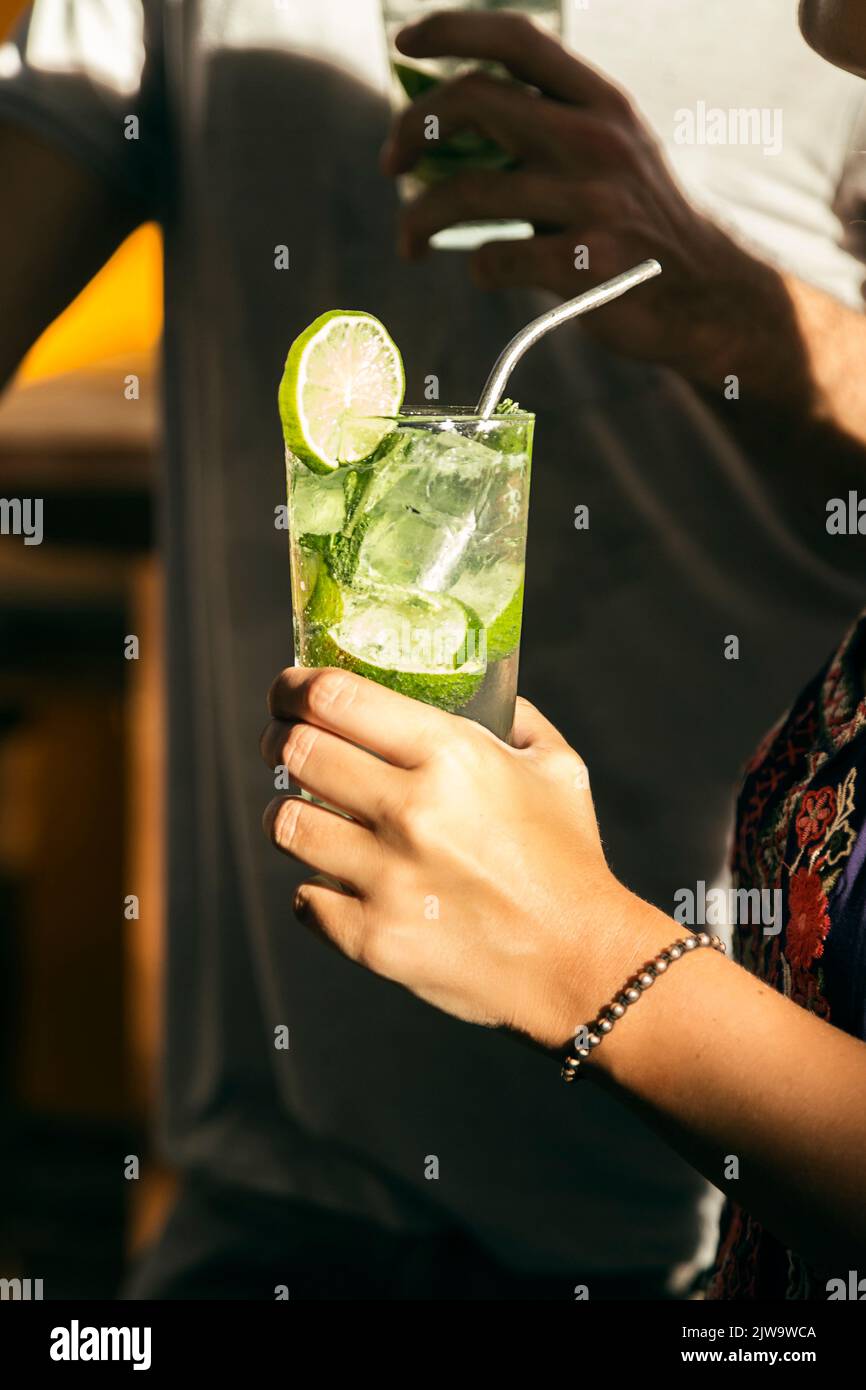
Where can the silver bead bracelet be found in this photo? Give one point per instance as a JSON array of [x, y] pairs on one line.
[[591, 1035]]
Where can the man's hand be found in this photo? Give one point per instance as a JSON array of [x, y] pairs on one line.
[[473, 871], [589, 173]]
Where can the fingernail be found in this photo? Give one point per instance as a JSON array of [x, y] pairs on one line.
[[407, 32]]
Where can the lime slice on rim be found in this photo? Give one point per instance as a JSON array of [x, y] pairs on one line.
[[343, 366], [428, 646]]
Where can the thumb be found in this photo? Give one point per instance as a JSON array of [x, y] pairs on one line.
[[532, 730]]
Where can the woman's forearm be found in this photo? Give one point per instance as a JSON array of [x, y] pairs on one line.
[[725, 1068], [533, 932]]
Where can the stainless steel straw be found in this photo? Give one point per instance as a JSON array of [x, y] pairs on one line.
[[571, 309]]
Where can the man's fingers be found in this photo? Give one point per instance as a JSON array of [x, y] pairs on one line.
[[541, 198], [324, 840], [331, 769], [543, 262], [402, 731], [521, 123], [513, 40], [555, 262]]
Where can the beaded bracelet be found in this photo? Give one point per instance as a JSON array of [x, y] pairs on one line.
[[595, 1032]]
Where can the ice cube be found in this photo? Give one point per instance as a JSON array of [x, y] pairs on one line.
[[318, 502], [418, 549], [428, 504]]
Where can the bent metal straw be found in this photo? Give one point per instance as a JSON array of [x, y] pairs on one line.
[[571, 309]]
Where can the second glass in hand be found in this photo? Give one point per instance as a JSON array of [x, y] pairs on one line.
[[467, 149]]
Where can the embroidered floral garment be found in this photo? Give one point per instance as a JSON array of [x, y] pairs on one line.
[[801, 829]]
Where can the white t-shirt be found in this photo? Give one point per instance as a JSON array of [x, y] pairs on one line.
[[259, 126]]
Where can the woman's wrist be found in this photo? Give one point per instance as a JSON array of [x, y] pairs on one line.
[[651, 1036], [649, 1039], [605, 948]]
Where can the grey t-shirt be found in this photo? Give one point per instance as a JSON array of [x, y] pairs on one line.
[[259, 127]]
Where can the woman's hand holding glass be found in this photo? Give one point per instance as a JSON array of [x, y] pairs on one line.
[[473, 871]]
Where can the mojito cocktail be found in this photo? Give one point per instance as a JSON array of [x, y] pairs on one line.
[[407, 566], [407, 529]]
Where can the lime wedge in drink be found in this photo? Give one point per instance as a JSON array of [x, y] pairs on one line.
[[428, 646], [496, 595], [344, 365], [465, 152], [414, 80]]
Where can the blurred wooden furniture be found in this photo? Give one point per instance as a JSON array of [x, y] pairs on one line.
[[81, 744]]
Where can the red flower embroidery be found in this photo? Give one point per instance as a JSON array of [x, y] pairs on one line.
[[817, 811], [809, 922]]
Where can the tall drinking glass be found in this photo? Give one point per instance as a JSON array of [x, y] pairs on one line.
[[466, 150], [408, 567]]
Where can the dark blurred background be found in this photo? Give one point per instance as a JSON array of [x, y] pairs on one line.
[[80, 791]]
